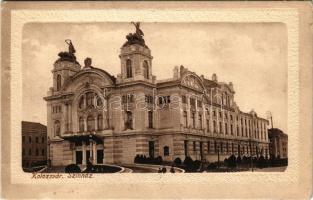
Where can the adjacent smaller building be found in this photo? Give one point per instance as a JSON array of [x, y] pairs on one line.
[[34, 144], [278, 143]]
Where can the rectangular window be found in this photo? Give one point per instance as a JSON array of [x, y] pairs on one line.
[[184, 99], [185, 119], [151, 149], [193, 120], [149, 99], [37, 140], [164, 100], [200, 121], [232, 147], [231, 117], [29, 139], [194, 145], [221, 129], [215, 147], [214, 127], [226, 129], [199, 103], [231, 130], [128, 98], [208, 146], [186, 147], [222, 147], [150, 119], [208, 125], [192, 102]]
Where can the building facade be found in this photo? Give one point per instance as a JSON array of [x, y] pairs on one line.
[[34, 144], [278, 145], [94, 115]]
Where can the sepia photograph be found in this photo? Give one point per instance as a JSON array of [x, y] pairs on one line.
[[150, 100], [154, 97]]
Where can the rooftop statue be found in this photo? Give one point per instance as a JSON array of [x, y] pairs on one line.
[[71, 48], [68, 55], [137, 37], [138, 30]]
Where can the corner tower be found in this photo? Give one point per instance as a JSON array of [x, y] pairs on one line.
[[64, 67], [136, 59]]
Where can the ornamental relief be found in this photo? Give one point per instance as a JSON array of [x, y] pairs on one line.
[[191, 81]]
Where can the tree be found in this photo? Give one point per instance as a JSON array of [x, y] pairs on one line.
[[231, 161]]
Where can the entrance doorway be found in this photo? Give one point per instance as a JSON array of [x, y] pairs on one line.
[[79, 157], [87, 155], [151, 149], [201, 151], [100, 156]]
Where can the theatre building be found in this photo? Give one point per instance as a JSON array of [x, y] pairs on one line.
[[110, 119]]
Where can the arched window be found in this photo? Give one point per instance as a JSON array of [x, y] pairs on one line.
[[100, 122], [90, 99], [129, 70], [99, 101], [81, 102], [59, 82], [166, 151], [81, 124], [90, 123], [57, 128], [145, 69]]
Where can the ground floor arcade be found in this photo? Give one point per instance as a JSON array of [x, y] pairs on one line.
[[123, 149]]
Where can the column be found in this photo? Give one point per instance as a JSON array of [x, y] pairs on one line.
[[188, 110], [94, 151], [74, 156], [96, 122], [85, 124], [70, 117], [204, 124], [84, 153], [104, 120], [66, 114]]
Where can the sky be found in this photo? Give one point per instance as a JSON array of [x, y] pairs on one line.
[[253, 56]]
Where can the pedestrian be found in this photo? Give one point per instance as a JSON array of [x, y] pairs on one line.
[[164, 169], [160, 170], [89, 165]]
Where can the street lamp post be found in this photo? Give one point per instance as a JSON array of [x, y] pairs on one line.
[[48, 152], [251, 162], [218, 156]]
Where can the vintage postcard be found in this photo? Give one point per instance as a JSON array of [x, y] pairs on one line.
[[157, 100]]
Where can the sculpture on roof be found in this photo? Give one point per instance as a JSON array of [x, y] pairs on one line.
[[137, 37], [138, 30], [71, 48], [68, 55]]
